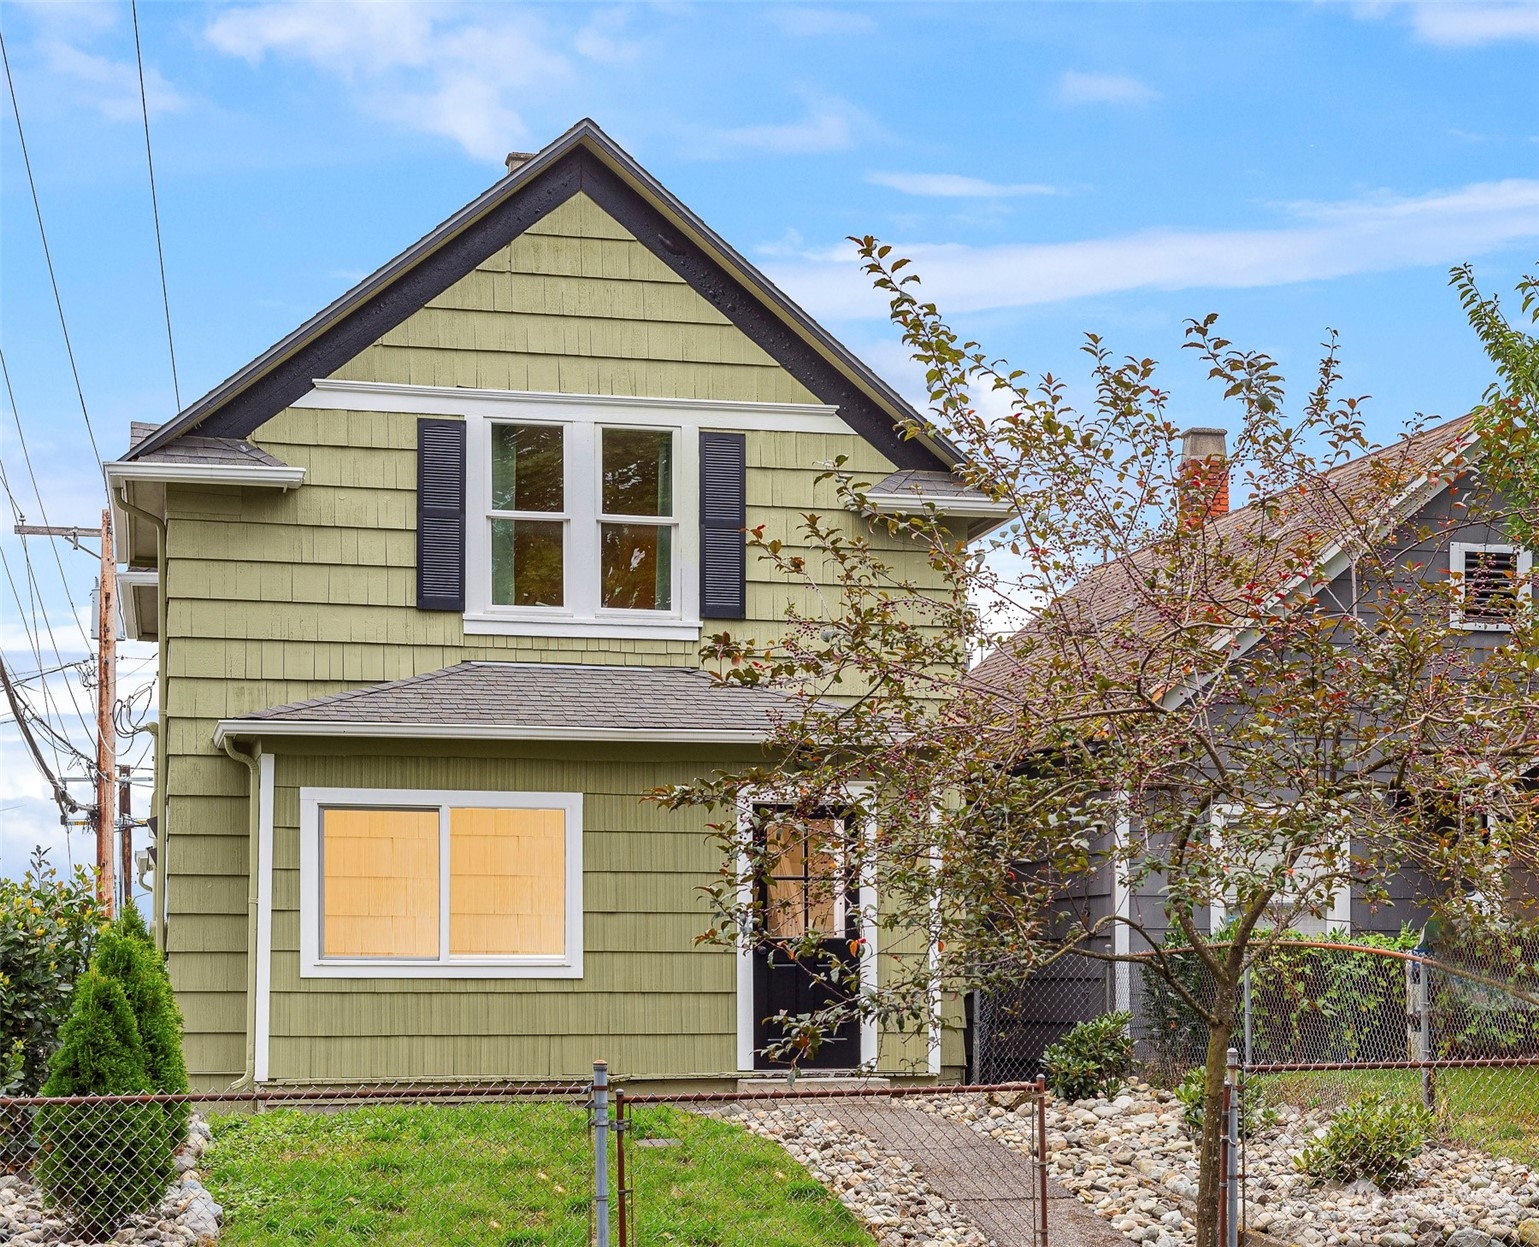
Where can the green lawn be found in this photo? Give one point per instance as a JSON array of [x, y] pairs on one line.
[[504, 1175], [1496, 1110]]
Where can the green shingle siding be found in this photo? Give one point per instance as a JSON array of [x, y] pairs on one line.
[[275, 597]]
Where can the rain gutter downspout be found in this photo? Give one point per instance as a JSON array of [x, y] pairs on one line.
[[157, 729], [253, 805]]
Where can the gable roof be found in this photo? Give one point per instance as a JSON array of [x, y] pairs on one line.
[[586, 160], [1342, 511], [532, 701]]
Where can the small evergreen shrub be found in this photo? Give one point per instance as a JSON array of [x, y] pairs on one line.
[[1092, 1059], [1374, 1137], [1256, 1113], [131, 923], [124, 954], [101, 1164]]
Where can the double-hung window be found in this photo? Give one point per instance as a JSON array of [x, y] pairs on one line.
[[1491, 584], [410, 884], [576, 526]]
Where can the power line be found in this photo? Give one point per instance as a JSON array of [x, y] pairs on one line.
[[37, 207], [149, 159], [67, 804]]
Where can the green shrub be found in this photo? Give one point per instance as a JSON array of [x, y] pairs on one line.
[[1256, 1113], [101, 1164], [131, 923], [48, 927], [1374, 1137], [123, 955], [1092, 1059]]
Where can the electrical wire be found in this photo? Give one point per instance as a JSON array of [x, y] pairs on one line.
[[149, 160], [37, 207]]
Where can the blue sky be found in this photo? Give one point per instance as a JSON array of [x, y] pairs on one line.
[[1053, 169]]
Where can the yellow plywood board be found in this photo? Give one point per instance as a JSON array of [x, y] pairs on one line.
[[507, 882], [379, 883]]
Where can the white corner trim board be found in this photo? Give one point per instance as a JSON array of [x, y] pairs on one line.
[[255, 729], [264, 948], [567, 965], [442, 400]]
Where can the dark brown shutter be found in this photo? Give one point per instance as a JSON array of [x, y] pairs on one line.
[[723, 513], [440, 515]]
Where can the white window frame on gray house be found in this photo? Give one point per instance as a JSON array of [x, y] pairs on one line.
[[1458, 557]]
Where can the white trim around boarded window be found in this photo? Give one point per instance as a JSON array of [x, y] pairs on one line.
[[312, 801]]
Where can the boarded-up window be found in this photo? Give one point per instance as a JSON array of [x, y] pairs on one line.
[[805, 893], [380, 883], [388, 893], [507, 882]]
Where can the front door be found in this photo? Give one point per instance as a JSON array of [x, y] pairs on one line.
[[806, 894]]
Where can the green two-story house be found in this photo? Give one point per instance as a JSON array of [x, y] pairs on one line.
[[430, 579]]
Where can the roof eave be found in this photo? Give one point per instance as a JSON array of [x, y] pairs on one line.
[[252, 729], [265, 476]]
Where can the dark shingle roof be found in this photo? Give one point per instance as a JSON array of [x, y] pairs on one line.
[[1339, 511], [524, 699], [206, 451]]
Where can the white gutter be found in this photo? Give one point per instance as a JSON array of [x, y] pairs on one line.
[[129, 579], [231, 729], [964, 507], [261, 475]]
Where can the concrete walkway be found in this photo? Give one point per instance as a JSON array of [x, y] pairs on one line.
[[994, 1186]]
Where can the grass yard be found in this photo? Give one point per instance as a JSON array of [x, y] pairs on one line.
[[1495, 1110], [504, 1175]]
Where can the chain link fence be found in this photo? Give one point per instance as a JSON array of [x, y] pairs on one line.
[[483, 1165], [810, 1166], [1377, 1091], [502, 1165]]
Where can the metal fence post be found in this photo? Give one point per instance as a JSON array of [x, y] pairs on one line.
[[1232, 1160], [1428, 1040], [1042, 1156], [601, 1153], [1223, 1167]]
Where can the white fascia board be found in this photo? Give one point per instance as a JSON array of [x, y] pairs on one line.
[[249, 729], [448, 400], [911, 502], [129, 579], [261, 475]]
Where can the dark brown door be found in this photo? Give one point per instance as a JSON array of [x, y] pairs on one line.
[[807, 894]]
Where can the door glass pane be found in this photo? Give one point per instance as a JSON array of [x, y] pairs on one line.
[[507, 882], [527, 562], [379, 883], [526, 467], [638, 472], [637, 566], [802, 891]]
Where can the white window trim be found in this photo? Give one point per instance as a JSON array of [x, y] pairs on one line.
[[313, 965], [870, 1034], [1339, 912], [1457, 552]]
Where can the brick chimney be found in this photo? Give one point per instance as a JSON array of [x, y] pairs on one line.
[[516, 160], [1203, 479]]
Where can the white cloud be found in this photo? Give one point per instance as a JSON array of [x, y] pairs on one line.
[[1075, 87], [416, 63], [114, 84], [1471, 25], [1322, 241], [829, 125], [810, 23], [956, 186], [604, 38]]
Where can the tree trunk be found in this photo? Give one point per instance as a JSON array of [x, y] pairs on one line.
[[1212, 1125]]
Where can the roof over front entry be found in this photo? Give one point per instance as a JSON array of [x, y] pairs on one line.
[[532, 701], [586, 160]]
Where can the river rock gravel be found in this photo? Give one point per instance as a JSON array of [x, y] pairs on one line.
[[187, 1217], [885, 1191], [1131, 1161]]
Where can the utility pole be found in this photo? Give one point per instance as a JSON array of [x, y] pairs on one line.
[[104, 817], [106, 729]]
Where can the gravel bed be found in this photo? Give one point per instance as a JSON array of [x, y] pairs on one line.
[[1131, 1161], [885, 1191], [187, 1217]]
